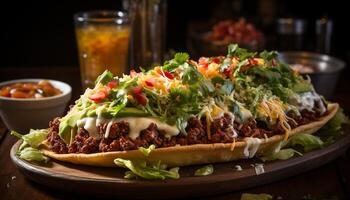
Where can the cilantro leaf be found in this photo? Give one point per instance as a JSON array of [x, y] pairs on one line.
[[226, 64], [231, 49], [268, 55], [242, 54], [181, 57], [104, 78], [191, 75]]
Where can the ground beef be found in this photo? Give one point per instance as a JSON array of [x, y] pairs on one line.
[[104, 145], [196, 133], [57, 144], [254, 129], [116, 130], [168, 142], [152, 135], [126, 143], [222, 129], [305, 117], [83, 143]]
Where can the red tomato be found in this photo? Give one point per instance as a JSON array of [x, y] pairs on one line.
[[216, 60], [100, 95], [228, 71], [137, 90], [166, 74], [150, 82], [141, 99], [203, 62], [139, 96], [112, 84]]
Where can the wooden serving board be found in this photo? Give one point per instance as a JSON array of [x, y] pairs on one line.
[[109, 182]]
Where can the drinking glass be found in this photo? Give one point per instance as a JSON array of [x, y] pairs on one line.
[[103, 42], [148, 22]]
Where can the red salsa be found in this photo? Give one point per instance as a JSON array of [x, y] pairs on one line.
[[30, 90]]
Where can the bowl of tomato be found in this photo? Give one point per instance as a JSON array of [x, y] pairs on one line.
[[32, 103]]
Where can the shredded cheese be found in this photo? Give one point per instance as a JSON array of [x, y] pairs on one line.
[[274, 110], [233, 144]]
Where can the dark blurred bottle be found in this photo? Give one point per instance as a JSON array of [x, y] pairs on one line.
[[324, 28], [148, 20], [290, 34]]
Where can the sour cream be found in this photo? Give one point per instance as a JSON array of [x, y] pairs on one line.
[[251, 147], [308, 100], [136, 125]]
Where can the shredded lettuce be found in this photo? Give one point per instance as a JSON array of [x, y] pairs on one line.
[[248, 196], [147, 151], [333, 129], [204, 171], [308, 142], [104, 78], [147, 171], [28, 149], [277, 153], [33, 138], [32, 154], [287, 149]]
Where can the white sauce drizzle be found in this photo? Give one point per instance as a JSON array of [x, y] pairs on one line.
[[251, 147], [90, 125], [136, 124], [306, 101], [108, 129]]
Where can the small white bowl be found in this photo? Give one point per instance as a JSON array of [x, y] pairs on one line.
[[23, 114]]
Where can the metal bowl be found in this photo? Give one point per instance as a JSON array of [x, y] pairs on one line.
[[326, 69]]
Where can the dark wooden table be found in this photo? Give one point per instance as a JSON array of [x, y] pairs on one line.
[[330, 180]]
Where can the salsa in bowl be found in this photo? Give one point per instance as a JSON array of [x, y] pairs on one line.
[[25, 103]]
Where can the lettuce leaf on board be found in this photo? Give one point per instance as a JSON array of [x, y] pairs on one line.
[[28, 149], [146, 170]]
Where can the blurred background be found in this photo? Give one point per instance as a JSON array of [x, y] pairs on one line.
[[41, 33]]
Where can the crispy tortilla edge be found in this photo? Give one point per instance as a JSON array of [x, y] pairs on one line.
[[188, 154]]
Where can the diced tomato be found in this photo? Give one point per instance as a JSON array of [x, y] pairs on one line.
[[150, 82], [165, 73], [112, 84], [228, 71], [139, 96], [203, 62], [141, 99], [100, 95], [168, 74], [133, 73], [137, 90], [215, 60]]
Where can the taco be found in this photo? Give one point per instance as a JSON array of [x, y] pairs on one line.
[[216, 109]]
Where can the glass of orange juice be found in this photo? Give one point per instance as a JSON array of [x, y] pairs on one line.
[[103, 42]]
